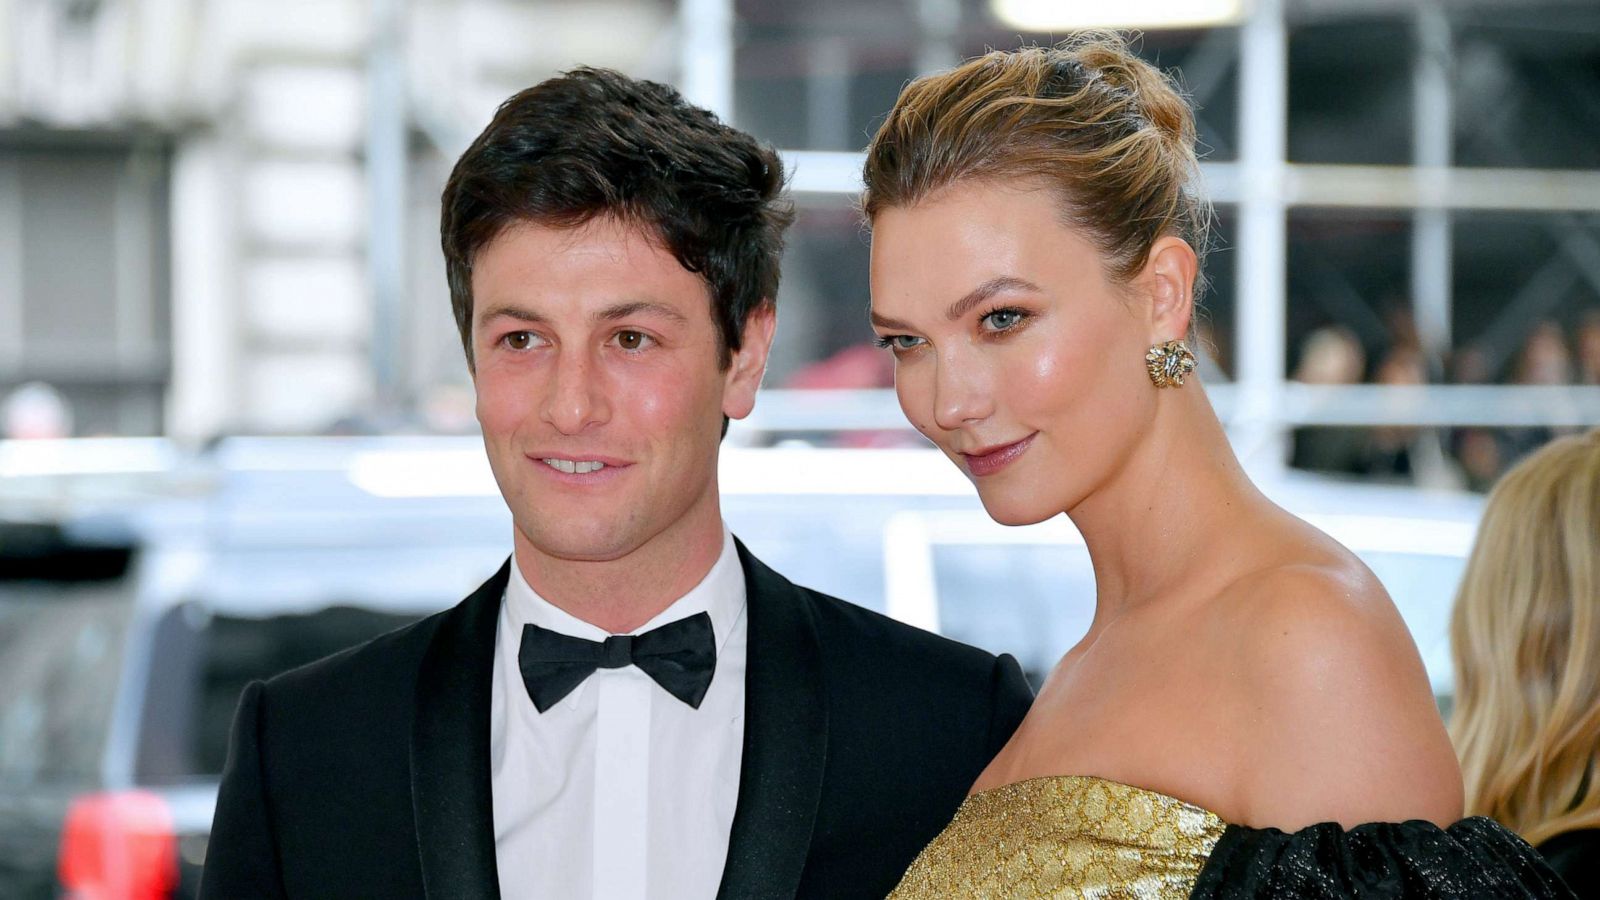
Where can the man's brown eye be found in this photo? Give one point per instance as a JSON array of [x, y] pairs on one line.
[[519, 340], [630, 340]]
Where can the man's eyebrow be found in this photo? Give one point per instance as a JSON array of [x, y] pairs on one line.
[[974, 297], [608, 314], [511, 312], [639, 307], [986, 290]]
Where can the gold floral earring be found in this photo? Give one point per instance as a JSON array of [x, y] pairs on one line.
[[1169, 363]]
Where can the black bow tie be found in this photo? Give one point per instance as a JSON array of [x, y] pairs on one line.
[[681, 656]]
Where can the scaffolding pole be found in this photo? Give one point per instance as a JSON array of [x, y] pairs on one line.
[[1432, 118], [1257, 428], [705, 55], [386, 194]]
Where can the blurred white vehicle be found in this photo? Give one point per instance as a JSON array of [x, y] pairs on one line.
[[141, 588]]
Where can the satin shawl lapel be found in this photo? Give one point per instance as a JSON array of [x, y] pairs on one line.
[[785, 741], [450, 786]]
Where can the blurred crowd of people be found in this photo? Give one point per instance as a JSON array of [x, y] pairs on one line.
[[1471, 457]]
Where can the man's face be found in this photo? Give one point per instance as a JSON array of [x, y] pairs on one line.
[[599, 389]]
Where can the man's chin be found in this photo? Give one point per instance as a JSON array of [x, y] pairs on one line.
[[596, 546]]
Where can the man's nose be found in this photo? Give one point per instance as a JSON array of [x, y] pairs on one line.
[[575, 396]]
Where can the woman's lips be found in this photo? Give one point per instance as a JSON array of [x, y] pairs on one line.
[[993, 459]]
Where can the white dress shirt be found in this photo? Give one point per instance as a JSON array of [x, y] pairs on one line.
[[620, 791]]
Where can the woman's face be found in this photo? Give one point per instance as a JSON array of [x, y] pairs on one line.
[[1014, 351]]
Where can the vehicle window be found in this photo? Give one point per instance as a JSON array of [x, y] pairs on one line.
[[205, 660], [61, 652]]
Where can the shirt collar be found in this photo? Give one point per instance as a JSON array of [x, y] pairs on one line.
[[720, 594]]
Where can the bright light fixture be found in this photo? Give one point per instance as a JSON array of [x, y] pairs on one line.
[[1075, 15]]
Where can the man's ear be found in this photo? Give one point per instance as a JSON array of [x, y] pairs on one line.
[[749, 362], [1168, 280]]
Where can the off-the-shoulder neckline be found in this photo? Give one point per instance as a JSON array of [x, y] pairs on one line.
[[1035, 780]]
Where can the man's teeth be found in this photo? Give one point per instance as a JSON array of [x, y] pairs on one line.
[[575, 467]]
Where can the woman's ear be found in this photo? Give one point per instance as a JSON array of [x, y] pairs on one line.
[[1168, 280]]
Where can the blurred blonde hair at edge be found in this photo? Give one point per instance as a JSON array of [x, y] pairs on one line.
[[1526, 639]]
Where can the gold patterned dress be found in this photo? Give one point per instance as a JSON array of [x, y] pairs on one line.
[[1071, 836]]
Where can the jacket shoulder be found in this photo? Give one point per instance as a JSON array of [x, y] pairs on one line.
[[389, 662], [386, 661], [842, 624]]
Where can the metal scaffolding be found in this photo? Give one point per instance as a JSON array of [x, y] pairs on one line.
[[1262, 405]]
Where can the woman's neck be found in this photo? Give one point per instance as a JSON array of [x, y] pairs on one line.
[[1172, 508]]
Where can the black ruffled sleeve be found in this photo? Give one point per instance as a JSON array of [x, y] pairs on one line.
[[1474, 858]]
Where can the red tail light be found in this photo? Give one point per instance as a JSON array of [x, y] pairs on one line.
[[119, 846]]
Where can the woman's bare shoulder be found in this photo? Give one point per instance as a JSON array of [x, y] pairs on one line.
[[1339, 722]]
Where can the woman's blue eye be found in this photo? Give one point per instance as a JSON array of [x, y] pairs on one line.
[[1003, 319], [899, 342]]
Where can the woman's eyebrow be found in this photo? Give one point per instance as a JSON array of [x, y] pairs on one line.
[[886, 322], [986, 290], [973, 297]]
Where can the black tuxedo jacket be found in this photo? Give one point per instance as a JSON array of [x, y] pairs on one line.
[[366, 774]]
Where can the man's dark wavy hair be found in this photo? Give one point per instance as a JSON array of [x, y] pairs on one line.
[[595, 143]]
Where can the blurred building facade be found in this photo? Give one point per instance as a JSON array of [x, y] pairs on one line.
[[220, 216]]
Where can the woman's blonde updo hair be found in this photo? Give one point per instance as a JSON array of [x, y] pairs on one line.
[[1526, 638], [1111, 134]]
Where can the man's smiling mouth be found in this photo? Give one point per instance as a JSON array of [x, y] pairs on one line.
[[574, 466]]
